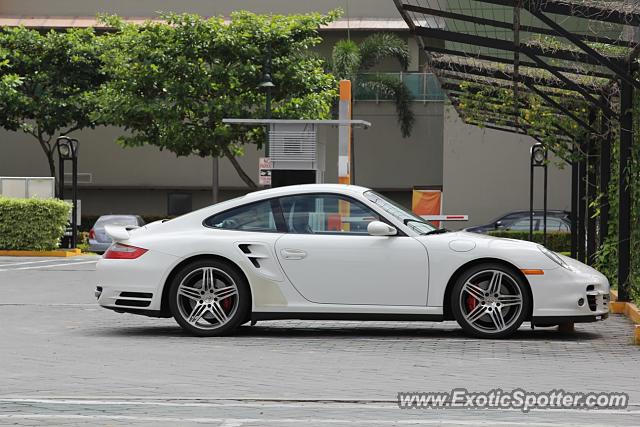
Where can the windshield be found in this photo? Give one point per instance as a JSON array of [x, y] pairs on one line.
[[412, 220]]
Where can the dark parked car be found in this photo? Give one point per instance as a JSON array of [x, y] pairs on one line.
[[557, 220], [99, 242]]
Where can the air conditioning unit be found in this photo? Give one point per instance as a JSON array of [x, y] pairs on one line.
[[296, 146]]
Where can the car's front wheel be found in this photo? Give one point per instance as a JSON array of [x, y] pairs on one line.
[[490, 301], [209, 298]]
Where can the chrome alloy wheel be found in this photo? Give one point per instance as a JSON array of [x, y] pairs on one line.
[[207, 298], [491, 301]]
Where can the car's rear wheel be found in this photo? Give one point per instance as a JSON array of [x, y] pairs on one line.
[[490, 301], [209, 298]]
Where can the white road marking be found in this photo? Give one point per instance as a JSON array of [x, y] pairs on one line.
[[276, 403], [215, 403], [49, 266], [48, 305], [31, 262], [296, 421]]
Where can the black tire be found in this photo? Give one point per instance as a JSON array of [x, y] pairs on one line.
[[479, 316], [208, 325]]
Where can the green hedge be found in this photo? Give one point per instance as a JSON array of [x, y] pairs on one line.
[[32, 224], [558, 242]]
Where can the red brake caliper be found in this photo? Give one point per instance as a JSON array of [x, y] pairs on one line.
[[227, 303], [471, 303]]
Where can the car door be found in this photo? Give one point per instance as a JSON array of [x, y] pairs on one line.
[[330, 258]]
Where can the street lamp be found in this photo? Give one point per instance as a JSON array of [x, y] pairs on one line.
[[267, 85], [68, 150], [538, 160]]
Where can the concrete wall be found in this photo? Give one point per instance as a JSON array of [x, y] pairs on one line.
[[486, 173], [357, 8], [385, 160], [138, 179]]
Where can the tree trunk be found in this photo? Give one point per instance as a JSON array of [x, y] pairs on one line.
[[48, 151], [246, 178], [52, 165]]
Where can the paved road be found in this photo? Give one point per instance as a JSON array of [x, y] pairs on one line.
[[65, 361]]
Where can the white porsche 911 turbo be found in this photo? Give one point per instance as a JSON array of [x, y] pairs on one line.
[[337, 252]]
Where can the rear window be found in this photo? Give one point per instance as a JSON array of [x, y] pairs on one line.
[[116, 220], [252, 217]]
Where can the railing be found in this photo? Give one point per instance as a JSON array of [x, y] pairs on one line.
[[423, 87]]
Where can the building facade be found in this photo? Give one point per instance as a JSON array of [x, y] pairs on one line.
[[482, 173]]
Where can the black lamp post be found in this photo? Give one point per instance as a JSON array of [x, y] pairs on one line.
[[267, 85], [538, 159], [68, 150]]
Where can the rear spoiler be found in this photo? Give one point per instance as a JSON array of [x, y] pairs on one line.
[[119, 233]]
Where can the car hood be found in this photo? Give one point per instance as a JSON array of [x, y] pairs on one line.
[[488, 239], [468, 246]]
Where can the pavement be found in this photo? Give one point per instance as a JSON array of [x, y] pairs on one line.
[[66, 361]]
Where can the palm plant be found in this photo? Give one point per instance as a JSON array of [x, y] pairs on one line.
[[351, 59]]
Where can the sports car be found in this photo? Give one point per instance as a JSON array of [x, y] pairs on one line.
[[337, 252]]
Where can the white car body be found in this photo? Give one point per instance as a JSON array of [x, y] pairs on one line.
[[307, 276]]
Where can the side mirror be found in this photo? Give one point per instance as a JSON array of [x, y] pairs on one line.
[[379, 228], [498, 224]]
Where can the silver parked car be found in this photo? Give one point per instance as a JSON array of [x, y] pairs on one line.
[[99, 242]]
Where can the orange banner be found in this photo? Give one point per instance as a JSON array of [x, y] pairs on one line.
[[427, 202]]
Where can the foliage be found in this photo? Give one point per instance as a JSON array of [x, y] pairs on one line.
[[558, 242], [481, 103], [32, 224], [171, 83], [349, 59], [495, 103], [83, 242], [379, 46], [607, 254], [47, 81]]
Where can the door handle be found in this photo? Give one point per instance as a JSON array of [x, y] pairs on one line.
[[293, 254]]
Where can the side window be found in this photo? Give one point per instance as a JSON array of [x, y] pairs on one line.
[[511, 217], [554, 224], [326, 214], [523, 225], [253, 217]]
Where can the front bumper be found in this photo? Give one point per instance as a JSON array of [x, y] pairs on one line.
[[578, 294], [556, 320]]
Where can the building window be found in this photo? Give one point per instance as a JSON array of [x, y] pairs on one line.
[[179, 204]]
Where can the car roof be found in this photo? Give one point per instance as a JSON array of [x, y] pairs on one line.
[[302, 188], [537, 210], [257, 196]]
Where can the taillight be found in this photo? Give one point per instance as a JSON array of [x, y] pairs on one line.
[[120, 251], [92, 234]]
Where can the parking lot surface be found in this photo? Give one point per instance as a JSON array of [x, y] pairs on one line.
[[66, 361]]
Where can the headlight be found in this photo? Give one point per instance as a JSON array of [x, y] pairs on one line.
[[554, 257]]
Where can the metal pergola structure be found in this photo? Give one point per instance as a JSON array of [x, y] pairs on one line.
[[571, 55]]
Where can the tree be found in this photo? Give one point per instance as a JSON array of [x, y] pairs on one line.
[[351, 59], [171, 83], [46, 83]]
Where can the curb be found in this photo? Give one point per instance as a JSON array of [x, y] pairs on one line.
[[628, 309], [61, 253]]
